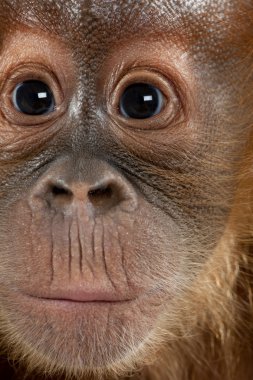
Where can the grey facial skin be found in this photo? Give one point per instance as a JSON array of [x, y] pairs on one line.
[[125, 243]]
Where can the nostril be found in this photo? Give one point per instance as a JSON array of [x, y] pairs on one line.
[[60, 192], [101, 194], [105, 196]]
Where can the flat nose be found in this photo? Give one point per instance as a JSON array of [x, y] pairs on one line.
[[102, 195], [101, 191]]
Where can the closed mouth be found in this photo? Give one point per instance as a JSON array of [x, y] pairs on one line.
[[83, 296]]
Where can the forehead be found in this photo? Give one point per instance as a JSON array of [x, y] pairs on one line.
[[91, 26], [61, 14]]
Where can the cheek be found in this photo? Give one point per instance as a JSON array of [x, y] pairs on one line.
[[119, 270]]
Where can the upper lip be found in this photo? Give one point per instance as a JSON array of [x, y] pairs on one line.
[[79, 295]]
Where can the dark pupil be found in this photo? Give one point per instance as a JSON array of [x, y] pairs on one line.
[[33, 97], [140, 101]]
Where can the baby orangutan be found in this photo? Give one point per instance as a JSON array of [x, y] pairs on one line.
[[126, 189]]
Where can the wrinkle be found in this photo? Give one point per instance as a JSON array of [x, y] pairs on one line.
[[118, 246], [52, 253], [122, 255], [70, 251], [80, 248], [93, 240], [55, 246], [107, 272], [82, 238], [31, 230]]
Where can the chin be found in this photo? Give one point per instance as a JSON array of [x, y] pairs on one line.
[[76, 338]]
